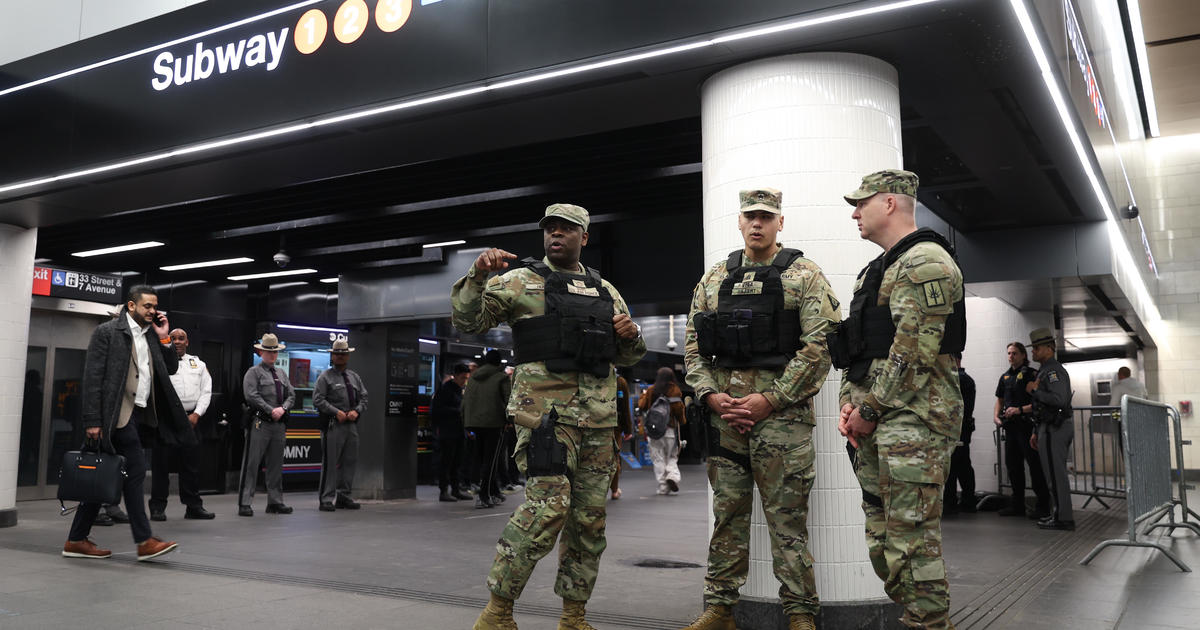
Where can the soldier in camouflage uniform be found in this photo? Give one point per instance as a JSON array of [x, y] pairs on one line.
[[762, 410], [584, 402], [901, 406]]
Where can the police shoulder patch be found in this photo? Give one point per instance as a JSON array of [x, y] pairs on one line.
[[1052, 377]]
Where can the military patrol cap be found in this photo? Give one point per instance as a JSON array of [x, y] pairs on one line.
[[765, 199], [1041, 336], [889, 180], [574, 214]]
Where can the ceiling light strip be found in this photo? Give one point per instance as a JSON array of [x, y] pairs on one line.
[[131, 55], [455, 94], [1143, 61], [207, 263], [1120, 246], [443, 244], [116, 249], [313, 328], [273, 274]]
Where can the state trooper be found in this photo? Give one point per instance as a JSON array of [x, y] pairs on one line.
[[1051, 394], [901, 404], [193, 384], [341, 399], [569, 329], [269, 397], [756, 354]]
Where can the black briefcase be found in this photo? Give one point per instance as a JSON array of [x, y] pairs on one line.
[[91, 476]]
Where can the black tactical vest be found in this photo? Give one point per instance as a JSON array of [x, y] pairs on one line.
[[576, 333], [867, 333], [751, 328]]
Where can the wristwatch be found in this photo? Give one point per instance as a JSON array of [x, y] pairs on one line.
[[868, 413]]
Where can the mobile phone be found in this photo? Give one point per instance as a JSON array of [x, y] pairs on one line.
[[160, 317]]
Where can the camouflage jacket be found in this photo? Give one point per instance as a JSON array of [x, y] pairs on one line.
[[790, 389], [920, 288], [479, 303]]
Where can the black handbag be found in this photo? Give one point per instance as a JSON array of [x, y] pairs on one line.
[[91, 476]]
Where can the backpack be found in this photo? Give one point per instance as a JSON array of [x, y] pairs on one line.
[[658, 417]]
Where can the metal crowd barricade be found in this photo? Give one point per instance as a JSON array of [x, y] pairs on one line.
[[1147, 439], [1096, 468]]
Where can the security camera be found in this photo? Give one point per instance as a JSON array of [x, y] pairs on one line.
[[281, 258], [1129, 212]]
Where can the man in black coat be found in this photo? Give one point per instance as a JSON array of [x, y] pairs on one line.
[[961, 471], [127, 388], [446, 409]]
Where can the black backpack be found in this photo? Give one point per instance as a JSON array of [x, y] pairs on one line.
[[658, 417]]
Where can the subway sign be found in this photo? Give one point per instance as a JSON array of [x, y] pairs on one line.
[[77, 285]]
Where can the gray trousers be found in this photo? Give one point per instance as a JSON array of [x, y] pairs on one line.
[[264, 442], [339, 458], [1054, 445]]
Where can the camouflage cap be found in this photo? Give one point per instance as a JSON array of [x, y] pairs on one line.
[[889, 180], [1041, 336], [765, 199], [568, 212]]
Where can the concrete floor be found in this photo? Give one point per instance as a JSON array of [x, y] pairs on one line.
[[421, 564]]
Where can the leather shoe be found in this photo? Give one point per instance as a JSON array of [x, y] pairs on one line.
[[673, 485], [1066, 526], [199, 513], [158, 515], [152, 548], [245, 510], [461, 496], [481, 503], [118, 515], [347, 503], [497, 499], [278, 508], [326, 507], [446, 496], [103, 520], [1039, 515], [84, 549]]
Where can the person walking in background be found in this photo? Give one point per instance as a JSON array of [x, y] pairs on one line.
[[962, 474], [446, 409], [623, 430], [664, 450], [483, 405]]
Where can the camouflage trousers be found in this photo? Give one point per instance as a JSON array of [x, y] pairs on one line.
[[778, 457], [574, 504], [902, 469]]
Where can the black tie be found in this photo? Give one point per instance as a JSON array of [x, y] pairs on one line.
[[278, 389], [349, 392]]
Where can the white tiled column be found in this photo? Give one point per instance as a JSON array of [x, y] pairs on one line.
[[810, 125], [16, 284]]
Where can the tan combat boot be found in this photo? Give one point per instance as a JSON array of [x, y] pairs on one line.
[[714, 617], [497, 615], [572, 616], [802, 621]]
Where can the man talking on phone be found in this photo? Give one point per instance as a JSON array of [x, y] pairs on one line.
[[127, 388]]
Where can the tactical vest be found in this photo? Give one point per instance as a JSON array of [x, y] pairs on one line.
[[576, 333], [751, 327], [867, 333]]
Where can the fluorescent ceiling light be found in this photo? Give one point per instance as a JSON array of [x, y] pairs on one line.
[[118, 248], [423, 340], [335, 119], [38, 261], [313, 328], [176, 285], [283, 285], [1143, 62], [273, 274], [207, 263], [329, 280], [443, 244], [1116, 238]]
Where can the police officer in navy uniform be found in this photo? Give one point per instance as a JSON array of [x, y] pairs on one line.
[[270, 397], [1014, 412], [1051, 394]]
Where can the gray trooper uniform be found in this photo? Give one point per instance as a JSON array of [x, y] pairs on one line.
[[1055, 430], [265, 437], [339, 441]]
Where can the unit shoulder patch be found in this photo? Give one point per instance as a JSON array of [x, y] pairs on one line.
[[935, 294]]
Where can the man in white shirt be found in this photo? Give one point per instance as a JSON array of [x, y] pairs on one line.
[[194, 386], [1126, 384]]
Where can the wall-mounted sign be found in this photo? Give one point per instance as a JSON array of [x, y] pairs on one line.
[[78, 285]]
